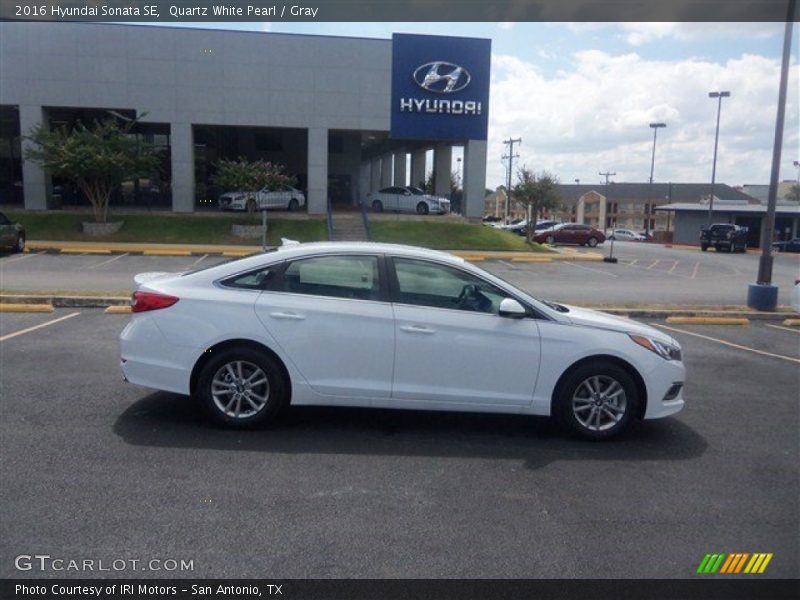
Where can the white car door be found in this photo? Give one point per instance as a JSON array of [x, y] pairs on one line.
[[451, 345], [329, 317]]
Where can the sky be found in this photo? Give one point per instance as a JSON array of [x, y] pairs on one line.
[[581, 95]]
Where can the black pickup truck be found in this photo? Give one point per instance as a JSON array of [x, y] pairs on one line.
[[724, 236]]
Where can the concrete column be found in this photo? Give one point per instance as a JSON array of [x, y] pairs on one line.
[[375, 175], [363, 182], [181, 142], [317, 170], [35, 182], [474, 179], [386, 170], [417, 167], [442, 167], [400, 169], [580, 210]]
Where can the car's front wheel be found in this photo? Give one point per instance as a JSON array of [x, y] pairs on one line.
[[241, 388], [597, 400], [592, 242], [377, 206], [20, 245], [422, 208], [293, 204]]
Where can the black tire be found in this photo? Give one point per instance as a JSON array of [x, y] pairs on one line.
[[572, 388], [592, 242], [704, 247], [19, 246], [550, 240], [377, 206], [422, 208], [277, 390], [294, 204]]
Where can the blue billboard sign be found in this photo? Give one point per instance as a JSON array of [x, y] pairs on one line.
[[440, 87]]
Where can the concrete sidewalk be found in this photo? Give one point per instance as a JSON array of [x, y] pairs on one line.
[[151, 249]]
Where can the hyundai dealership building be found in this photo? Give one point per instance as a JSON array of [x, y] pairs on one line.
[[347, 116]]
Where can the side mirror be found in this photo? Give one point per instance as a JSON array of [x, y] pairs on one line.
[[511, 309]]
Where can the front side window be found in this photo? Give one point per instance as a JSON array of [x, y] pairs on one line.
[[423, 283], [353, 277]]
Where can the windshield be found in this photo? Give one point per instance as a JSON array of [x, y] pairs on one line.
[[415, 190]]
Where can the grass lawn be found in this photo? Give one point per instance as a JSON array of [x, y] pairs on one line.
[[450, 236], [165, 229]]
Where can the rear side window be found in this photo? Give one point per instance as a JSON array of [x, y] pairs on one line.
[[352, 277], [262, 279]]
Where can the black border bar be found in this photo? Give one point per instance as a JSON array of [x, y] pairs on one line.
[[438, 11], [738, 588]]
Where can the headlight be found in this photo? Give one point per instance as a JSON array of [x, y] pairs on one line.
[[664, 350]]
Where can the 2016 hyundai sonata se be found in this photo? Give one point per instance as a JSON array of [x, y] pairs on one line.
[[375, 325]]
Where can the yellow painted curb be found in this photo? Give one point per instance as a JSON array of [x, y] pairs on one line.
[[26, 308], [532, 259], [237, 253], [474, 258], [166, 252], [121, 309], [85, 251], [792, 322], [709, 320]]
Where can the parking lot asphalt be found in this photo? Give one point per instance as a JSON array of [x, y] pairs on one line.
[[96, 468], [645, 274]]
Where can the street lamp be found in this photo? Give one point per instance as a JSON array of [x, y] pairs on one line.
[[797, 166], [655, 127], [720, 96]]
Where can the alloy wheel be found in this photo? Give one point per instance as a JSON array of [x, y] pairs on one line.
[[240, 389], [599, 403]]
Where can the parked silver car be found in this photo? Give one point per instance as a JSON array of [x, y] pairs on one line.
[[407, 199]]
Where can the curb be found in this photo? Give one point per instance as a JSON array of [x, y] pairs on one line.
[[708, 320], [792, 322], [25, 307]]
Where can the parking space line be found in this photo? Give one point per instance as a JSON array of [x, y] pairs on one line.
[[110, 260], [572, 264], [797, 331], [8, 336], [653, 264], [672, 268], [202, 258], [21, 256], [696, 267], [633, 262], [726, 343]]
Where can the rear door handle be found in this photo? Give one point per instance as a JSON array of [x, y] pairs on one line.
[[287, 315], [417, 329]]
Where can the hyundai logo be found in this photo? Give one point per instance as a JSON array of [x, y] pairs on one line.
[[441, 77]]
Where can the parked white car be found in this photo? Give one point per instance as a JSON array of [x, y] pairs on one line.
[[285, 197], [379, 325], [407, 199], [626, 235], [796, 296]]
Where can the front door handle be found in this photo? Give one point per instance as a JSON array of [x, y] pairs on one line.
[[287, 315], [417, 329]]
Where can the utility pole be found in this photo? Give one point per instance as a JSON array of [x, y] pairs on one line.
[[762, 295], [610, 258], [648, 211], [510, 156], [719, 96]]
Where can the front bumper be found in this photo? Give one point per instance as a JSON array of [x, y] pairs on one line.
[[660, 382]]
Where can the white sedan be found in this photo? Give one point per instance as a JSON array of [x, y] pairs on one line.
[[407, 199], [626, 235], [285, 197], [378, 325]]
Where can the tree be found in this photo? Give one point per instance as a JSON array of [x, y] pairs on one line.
[[794, 193], [98, 158], [428, 185], [536, 193], [247, 176]]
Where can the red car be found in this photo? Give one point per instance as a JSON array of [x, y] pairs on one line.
[[571, 233]]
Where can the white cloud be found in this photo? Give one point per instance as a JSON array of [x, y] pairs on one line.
[[595, 117], [506, 25], [638, 34]]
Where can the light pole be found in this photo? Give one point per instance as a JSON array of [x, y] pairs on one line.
[[797, 166], [655, 127], [720, 96], [610, 258]]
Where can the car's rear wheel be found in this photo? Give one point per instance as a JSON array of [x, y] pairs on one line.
[[597, 400], [422, 208], [592, 242], [704, 247], [242, 388], [20, 245], [550, 240], [294, 204]]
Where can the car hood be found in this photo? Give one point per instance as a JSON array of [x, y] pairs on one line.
[[600, 320]]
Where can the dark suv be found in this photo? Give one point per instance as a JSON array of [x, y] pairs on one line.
[[724, 236], [12, 235]]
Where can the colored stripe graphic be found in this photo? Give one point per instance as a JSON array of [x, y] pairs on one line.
[[732, 558], [740, 564], [734, 563]]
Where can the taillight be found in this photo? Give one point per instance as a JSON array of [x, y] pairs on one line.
[[144, 301]]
